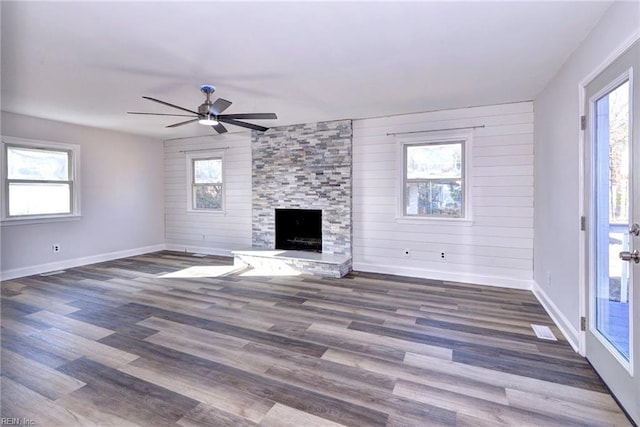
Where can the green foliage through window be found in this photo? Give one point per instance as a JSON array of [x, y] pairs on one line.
[[434, 179], [207, 184]]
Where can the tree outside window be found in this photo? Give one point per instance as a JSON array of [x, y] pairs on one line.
[[434, 179], [207, 184]]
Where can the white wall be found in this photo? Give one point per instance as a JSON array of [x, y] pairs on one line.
[[211, 233], [557, 174], [497, 248], [122, 200]]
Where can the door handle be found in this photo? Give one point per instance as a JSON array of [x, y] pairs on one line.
[[628, 256]]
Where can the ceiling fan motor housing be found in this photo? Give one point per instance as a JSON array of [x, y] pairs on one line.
[[204, 109]]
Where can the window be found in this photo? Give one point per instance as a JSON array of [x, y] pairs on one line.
[[434, 183], [205, 182], [40, 179]]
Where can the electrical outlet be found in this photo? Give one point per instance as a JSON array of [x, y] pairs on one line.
[[442, 255], [406, 253], [55, 248]]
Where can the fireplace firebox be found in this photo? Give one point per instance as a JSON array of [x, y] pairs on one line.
[[299, 229]]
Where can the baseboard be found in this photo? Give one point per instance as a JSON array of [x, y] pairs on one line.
[[571, 334], [76, 262], [199, 250], [503, 282]]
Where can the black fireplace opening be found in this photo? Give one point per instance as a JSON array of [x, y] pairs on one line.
[[299, 229]]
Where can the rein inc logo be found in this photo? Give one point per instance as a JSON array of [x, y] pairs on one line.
[[17, 422]]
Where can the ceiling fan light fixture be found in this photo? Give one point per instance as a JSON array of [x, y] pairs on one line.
[[208, 121]]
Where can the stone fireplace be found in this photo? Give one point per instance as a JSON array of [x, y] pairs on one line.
[[305, 167]]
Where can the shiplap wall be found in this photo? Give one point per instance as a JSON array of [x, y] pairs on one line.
[[211, 233], [496, 248]]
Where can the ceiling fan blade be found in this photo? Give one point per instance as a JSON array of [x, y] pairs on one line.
[[160, 114], [254, 116], [243, 124], [219, 128], [170, 105], [175, 125], [219, 106]]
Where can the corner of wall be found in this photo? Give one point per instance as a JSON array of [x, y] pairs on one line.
[[566, 327]]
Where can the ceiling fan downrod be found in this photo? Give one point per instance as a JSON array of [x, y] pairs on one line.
[[205, 108]]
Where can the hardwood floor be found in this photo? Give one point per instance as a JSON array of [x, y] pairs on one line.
[[152, 341]]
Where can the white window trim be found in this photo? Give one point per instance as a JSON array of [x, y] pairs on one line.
[[75, 213], [432, 138], [201, 155]]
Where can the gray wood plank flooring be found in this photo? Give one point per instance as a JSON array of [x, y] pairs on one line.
[[168, 339]]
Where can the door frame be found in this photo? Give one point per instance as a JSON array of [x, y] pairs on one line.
[[583, 209]]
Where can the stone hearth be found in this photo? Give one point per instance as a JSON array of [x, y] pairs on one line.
[[275, 262]]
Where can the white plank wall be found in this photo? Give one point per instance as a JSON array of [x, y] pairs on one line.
[[211, 233], [496, 248]]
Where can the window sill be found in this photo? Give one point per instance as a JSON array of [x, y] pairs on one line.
[[39, 219], [464, 222], [206, 212]]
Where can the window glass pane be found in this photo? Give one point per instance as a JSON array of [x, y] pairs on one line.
[[207, 171], [39, 199], [207, 196], [613, 188], [434, 161], [435, 198], [35, 164]]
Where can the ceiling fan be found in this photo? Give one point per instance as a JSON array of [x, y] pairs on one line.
[[209, 113]]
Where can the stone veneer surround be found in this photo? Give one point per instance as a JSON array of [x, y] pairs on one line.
[[304, 167]]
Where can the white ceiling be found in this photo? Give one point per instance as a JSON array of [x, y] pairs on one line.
[[90, 62]]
